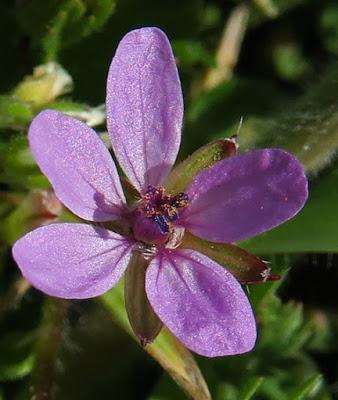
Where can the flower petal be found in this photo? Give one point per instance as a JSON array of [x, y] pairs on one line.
[[72, 261], [78, 165], [245, 195], [201, 303], [144, 106]]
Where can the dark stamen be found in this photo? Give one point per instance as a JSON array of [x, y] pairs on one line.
[[162, 208], [162, 223]]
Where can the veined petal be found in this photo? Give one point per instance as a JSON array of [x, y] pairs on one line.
[[78, 165], [245, 195], [72, 261], [201, 303], [144, 106]]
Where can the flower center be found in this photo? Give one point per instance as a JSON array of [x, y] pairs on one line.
[[162, 208]]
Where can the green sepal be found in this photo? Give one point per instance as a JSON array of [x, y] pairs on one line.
[[244, 266], [204, 157], [145, 323]]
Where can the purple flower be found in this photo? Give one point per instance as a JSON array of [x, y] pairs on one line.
[[197, 299]]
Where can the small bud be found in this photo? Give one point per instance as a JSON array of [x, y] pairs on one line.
[[48, 82]]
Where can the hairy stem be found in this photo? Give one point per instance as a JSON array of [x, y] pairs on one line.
[[47, 348]]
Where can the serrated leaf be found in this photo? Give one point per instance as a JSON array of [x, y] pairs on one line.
[[166, 349], [305, 390]]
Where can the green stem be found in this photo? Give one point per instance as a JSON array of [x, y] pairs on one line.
[[50, 338]]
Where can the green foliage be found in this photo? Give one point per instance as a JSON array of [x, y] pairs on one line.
[[16, 355], [285, 86], [61, 23], [307, 389], [192, 52], [14, 113]]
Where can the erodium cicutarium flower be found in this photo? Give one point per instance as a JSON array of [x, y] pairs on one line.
[[196, 298]]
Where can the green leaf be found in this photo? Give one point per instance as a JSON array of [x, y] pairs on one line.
[[18, 167], [307, 389], [59, 24], [329, 27], [39, 207], [192, 52], [314, 229], [16, 359], [251, 388], [285, 331], [14, 113], [166, 349]]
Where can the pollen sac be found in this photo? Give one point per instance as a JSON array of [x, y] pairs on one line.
[[162, 208]]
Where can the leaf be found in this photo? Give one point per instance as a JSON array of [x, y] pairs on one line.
[[39, 207], [14, 113], [192, 52], [285, 329], [307, 388], [314, 229], [61, 23], [166, 349], [244, 266], [17, 358], [251, 388], [17, 165]]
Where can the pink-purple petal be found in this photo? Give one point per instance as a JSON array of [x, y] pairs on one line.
[[201, 303], [245, 195], [78, 165], [144, 106], [72, 261]]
